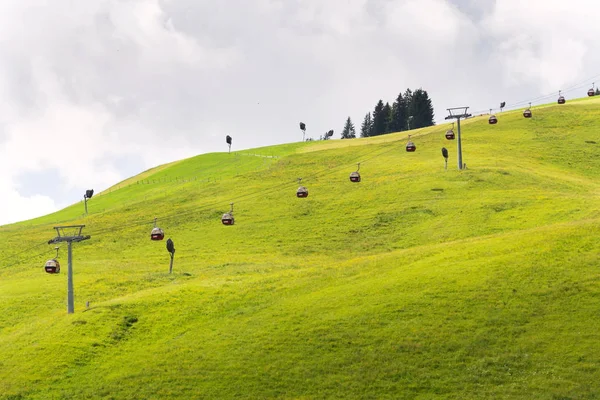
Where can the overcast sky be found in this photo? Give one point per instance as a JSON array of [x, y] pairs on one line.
[[95, 91]]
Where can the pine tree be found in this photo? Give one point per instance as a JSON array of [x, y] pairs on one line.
[[597, 91], [367, 126], [379, 119], [408, 96], [399, 114], [421, 110], [386, 116], [348, 132]]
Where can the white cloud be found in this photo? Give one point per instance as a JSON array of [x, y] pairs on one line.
[[16, 207], [546, 42]]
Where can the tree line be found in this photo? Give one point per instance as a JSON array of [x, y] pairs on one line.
[[410, 110]]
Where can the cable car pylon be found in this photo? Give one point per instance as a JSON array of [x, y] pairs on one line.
[[457, 113], [75, 237]]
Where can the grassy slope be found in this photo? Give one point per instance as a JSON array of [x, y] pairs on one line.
[[486, 287]]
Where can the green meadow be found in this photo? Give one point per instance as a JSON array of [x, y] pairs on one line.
[[419, 282]]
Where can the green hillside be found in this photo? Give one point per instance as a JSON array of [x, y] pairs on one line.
[[416, 283]]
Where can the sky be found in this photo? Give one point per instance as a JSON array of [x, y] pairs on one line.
[[93, 92]]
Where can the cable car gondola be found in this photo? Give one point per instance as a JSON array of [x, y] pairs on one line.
[[561, 98], [53, 266], [527, 113], [355, 176], [592, 92], [493, 120], [410, 146], [450, 133], [227, 218], [302, 191], [157, 233]]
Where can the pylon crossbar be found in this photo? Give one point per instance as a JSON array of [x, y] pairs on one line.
[[59, 239], [458, 112], [75, 237]]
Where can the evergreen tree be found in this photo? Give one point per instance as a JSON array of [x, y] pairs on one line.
[[597, 91], [399, 114], [387, 117], [420, 109], [408, 96], [367, 126], [348, 132], [380, 120]]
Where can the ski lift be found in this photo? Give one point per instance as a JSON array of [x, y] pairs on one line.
[[493, 120], [157, 233], [592, 91], [355, 176], [561, 98], [227, 218], [450, 133], [410, 146], [302, 191], [527, 113], [53, 266]]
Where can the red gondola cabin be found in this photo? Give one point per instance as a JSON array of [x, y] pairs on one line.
[[157, 234]]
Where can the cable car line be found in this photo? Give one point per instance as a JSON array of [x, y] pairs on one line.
[[260, 192], [23, 251], [158, 234], [522, 103]]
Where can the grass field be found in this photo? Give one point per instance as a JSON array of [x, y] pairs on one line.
[[416, 283]]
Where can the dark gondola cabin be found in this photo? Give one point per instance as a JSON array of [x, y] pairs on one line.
[[227, 219], [410, 146], [492, 120], [302, 192], [354, 176], [527, 113], [157, 234], [450, 134], [52, 266], [591, 92]]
